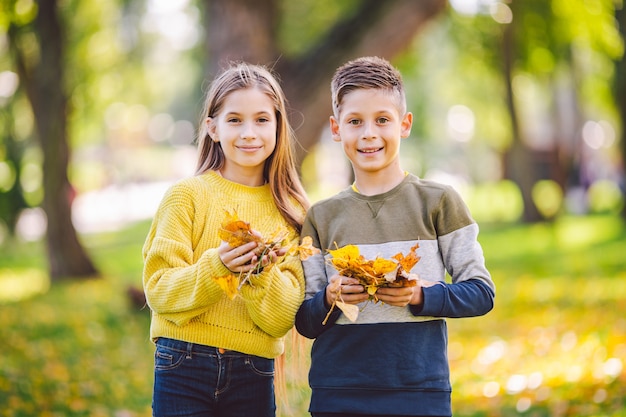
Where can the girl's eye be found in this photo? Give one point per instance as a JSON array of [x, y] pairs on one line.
[[232, 120], [263, 120]]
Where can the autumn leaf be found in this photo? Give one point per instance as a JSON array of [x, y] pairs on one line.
[[385, 267], [408, 262], [348, 252], [230, 285], [374, 273], [237, 232], [351, 311], [306, 249]]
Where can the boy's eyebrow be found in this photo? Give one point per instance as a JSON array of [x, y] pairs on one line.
[[357, 113]]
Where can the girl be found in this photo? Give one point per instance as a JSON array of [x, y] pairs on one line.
[[215, 355]]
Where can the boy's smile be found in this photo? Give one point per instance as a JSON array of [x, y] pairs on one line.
[[370, 127], [370, 150]]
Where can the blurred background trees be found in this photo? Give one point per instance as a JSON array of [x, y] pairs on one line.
[[37, 48], [518, 104]]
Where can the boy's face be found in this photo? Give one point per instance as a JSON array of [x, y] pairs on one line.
[[370, 127]]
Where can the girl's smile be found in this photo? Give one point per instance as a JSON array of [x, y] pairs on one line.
[[246, 128]]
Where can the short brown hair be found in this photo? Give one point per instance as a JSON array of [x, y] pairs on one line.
[[363, 73]]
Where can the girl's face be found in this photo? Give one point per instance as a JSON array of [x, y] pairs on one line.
[[246, 127]]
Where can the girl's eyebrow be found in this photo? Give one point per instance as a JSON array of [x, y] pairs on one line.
[[236, 113]]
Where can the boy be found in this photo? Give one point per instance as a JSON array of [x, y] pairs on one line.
[[392, 360]]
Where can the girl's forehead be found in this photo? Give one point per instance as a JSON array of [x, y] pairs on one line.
[[248, 99]]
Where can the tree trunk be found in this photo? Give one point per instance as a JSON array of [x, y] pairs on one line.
[[240, 30], [383, 28], [45, 89], [517, 160]]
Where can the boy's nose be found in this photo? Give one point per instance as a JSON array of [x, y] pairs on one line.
[[368, 131]]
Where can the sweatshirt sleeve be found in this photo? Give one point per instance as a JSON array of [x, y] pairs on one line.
[[273, 296], [472, 291], [313, 310], [176, 287]]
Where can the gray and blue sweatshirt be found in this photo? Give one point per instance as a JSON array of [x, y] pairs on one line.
[[392, 360]]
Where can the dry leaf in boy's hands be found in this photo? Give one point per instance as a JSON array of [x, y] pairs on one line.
[[372, 274], [351, 311], [378, 272]]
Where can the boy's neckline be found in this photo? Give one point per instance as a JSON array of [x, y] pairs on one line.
[[356, 190]]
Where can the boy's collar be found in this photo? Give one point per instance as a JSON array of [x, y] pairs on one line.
[[356, 190]]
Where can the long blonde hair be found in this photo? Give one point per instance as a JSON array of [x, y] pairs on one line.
[[280, 168]]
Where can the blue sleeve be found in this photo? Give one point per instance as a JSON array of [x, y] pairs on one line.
[[469, 298], [312, 313]]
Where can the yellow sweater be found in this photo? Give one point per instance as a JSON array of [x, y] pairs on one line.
[[181, 260]]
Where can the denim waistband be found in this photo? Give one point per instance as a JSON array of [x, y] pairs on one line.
[[194, 348]]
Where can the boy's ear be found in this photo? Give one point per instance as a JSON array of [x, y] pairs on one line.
[[406, 124], [211, 128], [334, 129]]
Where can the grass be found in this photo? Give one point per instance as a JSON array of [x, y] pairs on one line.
[[555, 344]]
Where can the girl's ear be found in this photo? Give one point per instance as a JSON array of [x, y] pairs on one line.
[[334, 129], [405, 125], [212, 129]]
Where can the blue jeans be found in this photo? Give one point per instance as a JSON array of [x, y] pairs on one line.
[[195, 380]]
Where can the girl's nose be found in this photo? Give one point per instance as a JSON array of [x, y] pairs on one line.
[[248, 131]]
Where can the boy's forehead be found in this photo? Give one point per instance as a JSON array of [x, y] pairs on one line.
[[371, 99]]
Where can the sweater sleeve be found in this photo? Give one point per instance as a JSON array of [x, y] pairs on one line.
[[176, 287], [273, 296]]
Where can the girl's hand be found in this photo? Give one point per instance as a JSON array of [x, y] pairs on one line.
[[345, 289], [268, 256], [240, 259]]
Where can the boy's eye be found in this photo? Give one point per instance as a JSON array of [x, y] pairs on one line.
[[354, 121], [382, 120]]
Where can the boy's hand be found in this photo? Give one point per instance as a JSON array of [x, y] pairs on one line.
[[402, 296], [345, 289]]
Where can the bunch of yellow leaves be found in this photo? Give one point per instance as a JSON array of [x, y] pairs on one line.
[[371, 273], [237, 232]]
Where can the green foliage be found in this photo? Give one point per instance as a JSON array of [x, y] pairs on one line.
[[555, 343], [295, 35]]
